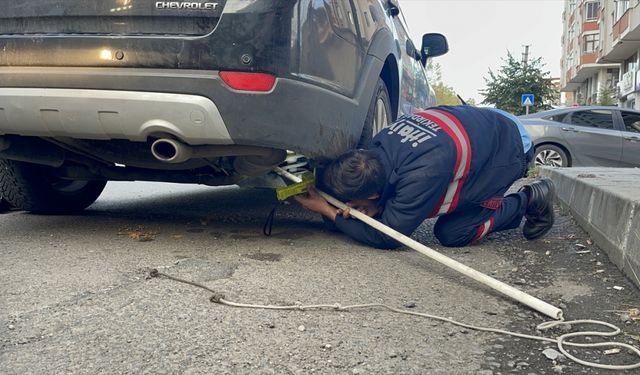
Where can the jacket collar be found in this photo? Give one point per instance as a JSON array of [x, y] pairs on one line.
[[390, 172]]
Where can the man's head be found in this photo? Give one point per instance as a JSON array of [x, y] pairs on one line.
[[356, 174]]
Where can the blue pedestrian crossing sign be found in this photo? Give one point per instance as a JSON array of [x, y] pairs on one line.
[[527, 100]]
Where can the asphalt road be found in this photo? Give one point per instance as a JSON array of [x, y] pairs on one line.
[[75, 296]]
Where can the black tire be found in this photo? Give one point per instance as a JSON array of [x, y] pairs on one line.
[[550, 155], [380, 107], [34, 188], [4, 205]]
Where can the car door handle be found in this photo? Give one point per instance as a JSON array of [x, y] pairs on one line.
[[566, 129], [632, 139]]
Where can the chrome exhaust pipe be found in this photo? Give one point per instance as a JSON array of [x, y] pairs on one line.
[[248, 160], [171, 151]]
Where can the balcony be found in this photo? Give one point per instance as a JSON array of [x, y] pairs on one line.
[[587, 69], [568, 75], [621, 26], [591, 25], [625, 36], [588, 58]]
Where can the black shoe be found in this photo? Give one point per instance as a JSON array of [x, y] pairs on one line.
[[539, 213]]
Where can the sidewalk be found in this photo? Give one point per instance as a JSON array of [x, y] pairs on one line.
[[606, 203]]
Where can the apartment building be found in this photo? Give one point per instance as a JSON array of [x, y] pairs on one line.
[[601, 51], [622, 45], [587, 76]]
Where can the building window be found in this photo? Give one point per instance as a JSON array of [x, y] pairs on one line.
[[571, 32], [613, 77], [591, 10], [622, 7], [591, 42], [573, 60], [631, 63]]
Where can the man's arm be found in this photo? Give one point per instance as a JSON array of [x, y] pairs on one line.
[[313, 201]]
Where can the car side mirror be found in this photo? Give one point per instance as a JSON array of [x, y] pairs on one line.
[[433, 44], [394, 7]]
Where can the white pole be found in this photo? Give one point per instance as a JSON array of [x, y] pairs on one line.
[[497, 285]]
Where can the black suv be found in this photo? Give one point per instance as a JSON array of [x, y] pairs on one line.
[[193, 92]]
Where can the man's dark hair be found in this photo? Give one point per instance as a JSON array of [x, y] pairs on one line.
[[356, 174]]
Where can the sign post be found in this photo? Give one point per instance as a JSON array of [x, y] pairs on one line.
[[527, 101]]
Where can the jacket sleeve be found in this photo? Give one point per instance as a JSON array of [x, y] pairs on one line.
[[415, 198]]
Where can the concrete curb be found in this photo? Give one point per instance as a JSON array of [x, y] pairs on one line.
[[606, 203]]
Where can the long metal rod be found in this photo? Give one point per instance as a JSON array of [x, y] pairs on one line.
[[514, 293]]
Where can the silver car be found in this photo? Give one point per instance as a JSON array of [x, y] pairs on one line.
[[585, 136]]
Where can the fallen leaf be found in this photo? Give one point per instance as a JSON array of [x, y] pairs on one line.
[[139, 233], [589, 242], [634, 313]]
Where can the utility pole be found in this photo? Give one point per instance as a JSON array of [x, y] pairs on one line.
[[527, 99], [525, 55]]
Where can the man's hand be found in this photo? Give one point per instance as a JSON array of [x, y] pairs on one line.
[[313, 201], [368, 207]]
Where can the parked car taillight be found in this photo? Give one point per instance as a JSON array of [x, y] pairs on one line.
[[244, 81]]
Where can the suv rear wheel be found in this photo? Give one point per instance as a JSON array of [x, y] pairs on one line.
[[35, 188], [4, 205], [379, 115]]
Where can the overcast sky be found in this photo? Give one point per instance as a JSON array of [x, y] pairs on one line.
[[481, 31]]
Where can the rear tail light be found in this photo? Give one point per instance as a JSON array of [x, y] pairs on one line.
[[244, 81]]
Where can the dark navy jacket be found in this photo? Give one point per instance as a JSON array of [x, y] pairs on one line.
[[438, 161]]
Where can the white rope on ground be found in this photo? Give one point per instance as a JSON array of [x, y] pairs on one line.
[[560, 341], [497, 285]]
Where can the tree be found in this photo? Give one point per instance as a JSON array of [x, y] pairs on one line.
[[445, 95], [606, 96], [434, 72], [514, 78]]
